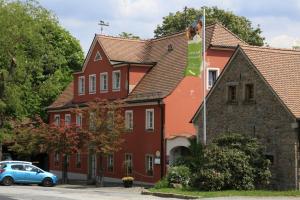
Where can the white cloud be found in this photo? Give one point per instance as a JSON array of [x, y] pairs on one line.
[[283, 41]]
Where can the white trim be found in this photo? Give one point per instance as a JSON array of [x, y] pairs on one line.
[[147, 126], [97, 54], [114, 89], [208, 87], [100, 84], [90, 84], [148, 166], [77, 117], [69, 123], [81, 86], [57, 123], [129, 123]]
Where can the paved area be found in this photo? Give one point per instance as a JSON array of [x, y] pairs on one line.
[[69, 192], [21, 192]]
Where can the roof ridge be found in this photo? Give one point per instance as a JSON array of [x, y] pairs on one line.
[[122, 38], [271, 49]]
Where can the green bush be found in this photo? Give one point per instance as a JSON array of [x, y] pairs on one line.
[[163, 183], [179, 174], [208, 180]]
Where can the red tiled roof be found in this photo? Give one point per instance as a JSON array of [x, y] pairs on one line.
[[64, 99], [281, 69], [169, 69]]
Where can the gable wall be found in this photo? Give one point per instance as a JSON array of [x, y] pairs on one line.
[[266, 119]]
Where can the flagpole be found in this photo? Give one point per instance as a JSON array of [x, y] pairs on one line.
[[204, 79]]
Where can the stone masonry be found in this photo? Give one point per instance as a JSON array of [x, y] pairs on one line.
[[266, 118]]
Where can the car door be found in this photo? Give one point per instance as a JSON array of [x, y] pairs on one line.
[[33, 174], [18, 172]]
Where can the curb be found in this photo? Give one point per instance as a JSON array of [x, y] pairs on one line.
[[167, 195]]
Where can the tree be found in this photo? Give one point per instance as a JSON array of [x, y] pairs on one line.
[[37, 58], [35, 136], [239, 25], [106, 125], [128, 35]]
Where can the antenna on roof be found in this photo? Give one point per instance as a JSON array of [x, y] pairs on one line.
[[101, 24]]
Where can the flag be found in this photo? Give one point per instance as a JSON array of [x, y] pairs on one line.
[[195, 49]]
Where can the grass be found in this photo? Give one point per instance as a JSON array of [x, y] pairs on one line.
[[226, 193]]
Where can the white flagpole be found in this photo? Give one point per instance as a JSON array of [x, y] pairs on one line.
[[204, 79]]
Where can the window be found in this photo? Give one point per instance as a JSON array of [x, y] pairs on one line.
[[249, 92], [212, 74], [68, 160], [149, 165], [128, 163], [232, 96], [110, 162], [57, 120], [78, 159], [92, 84], [103, 82], [31, 168], [150, 119], [92, 124], [67, 119], [18, 167], [98, 56], [129, 119], [79, 120], [56, 158], [116, 80], [81, 85]]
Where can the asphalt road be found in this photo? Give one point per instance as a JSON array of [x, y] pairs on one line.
[[21, 192]]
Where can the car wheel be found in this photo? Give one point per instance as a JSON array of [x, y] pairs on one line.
[[8, 181], [47, 182]]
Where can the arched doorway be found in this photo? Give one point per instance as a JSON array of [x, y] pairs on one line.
[[177, 152]]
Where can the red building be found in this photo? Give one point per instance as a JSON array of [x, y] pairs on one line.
[[148, 75]]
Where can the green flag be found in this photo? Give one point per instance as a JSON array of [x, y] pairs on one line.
[[194, 59]]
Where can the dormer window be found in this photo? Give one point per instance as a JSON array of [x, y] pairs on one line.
[[98, 56], [81, 85], [92, 84], [116, 80]]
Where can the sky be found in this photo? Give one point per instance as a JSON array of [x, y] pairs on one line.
[[278, 19]]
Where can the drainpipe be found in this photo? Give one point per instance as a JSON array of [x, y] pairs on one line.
[[162, 139]]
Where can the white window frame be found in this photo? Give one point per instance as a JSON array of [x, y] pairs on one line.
[[110, 162], [81, 88], [149, 166], [79, 122], [129, 121], [114, 88], [66, 116], [102, 89], [148, 127], [97, 54], [208, 87], [57, 122], [131, 163], [91, 85]]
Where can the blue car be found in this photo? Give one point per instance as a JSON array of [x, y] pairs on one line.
[[20, 172]]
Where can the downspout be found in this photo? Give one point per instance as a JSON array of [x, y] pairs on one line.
[[162, 139], [297, 160]]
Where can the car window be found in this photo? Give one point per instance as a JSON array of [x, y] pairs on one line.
[[31, 168], [17, 167]]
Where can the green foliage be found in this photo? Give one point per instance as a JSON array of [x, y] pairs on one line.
[[239, 25], [163, 183], [179, 174], [128, 35], [232, 161], [37, 57]]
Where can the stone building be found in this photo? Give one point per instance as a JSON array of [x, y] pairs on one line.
[[258, 94]]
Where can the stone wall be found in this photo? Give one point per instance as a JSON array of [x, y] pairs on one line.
[[266, 118]]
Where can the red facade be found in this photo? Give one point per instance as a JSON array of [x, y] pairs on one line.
[[172, 112]]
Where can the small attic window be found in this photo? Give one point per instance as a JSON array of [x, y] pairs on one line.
[[170, 47], [98, 56]]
